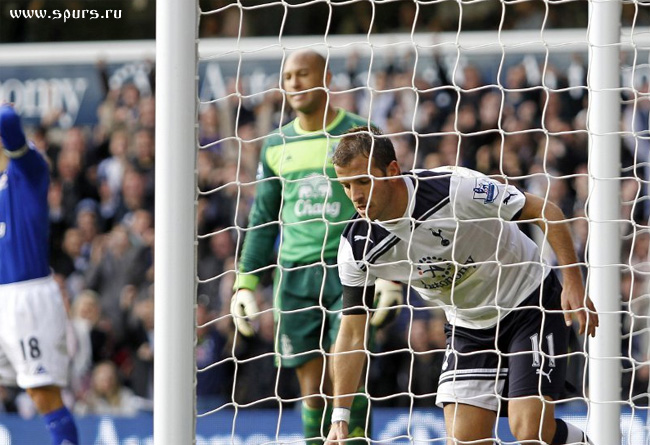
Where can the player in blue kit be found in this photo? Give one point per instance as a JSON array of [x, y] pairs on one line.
[[33, 350]]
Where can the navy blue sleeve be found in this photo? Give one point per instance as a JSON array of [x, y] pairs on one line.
[[357, 300]]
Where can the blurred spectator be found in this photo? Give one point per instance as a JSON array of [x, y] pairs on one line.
[[214, 373], [209, 131], [134, 194], [147, 113], [107, 395], [111, 170], [116, 262], [141, 230], [72, 263], [140, 342], [143, 156], [84, 317], [127, 110], [215, 253], [86, 220], [74, 185]]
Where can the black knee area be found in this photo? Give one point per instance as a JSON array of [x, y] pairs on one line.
[[561, 432]]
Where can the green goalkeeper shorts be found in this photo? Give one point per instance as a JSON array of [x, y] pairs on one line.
[[307, 303]]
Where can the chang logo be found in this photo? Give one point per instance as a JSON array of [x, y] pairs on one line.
[[313, 190], [314, 186], [485, 190], [3, 229]]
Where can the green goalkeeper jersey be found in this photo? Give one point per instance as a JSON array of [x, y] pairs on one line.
[[296, 198]]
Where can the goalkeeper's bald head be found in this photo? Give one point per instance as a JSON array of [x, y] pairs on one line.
[[312, 57]]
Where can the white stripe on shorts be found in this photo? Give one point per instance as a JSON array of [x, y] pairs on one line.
[[476, 387]]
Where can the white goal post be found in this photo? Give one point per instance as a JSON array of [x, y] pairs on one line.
[[177, 100], [603, 213], [175, 253]]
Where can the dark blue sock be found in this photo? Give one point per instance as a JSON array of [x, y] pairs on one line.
[[61, 426], [561, 432]]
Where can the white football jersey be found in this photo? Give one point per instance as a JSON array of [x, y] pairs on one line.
[[456, 245]]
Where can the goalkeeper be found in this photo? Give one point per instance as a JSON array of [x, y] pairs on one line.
[[451, 234], [297, 200]]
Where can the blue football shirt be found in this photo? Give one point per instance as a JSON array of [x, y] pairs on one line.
[[24, 219]]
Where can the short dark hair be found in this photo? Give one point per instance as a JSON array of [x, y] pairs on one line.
[[364, 141]]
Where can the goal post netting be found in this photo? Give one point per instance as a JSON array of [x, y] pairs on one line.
[[561, 113]]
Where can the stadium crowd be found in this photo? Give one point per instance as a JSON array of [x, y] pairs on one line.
[[102, 223]]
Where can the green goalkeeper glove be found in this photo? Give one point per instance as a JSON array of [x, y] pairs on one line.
[[244, 309], [388, 300]]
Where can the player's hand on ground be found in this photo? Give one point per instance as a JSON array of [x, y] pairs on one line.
[[11, 130], [388, 298], [244, 309], [575, 302], [338, 432]]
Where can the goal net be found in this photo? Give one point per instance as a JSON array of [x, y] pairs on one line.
[[551, 97]]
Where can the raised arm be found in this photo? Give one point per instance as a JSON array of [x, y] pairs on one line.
[[551, 220], [28, 162], [11, 131]]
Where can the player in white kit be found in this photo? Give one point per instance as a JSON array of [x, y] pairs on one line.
[[450, 233], [33, 350]]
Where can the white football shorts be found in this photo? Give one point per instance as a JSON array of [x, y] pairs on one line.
[[33, 349]]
